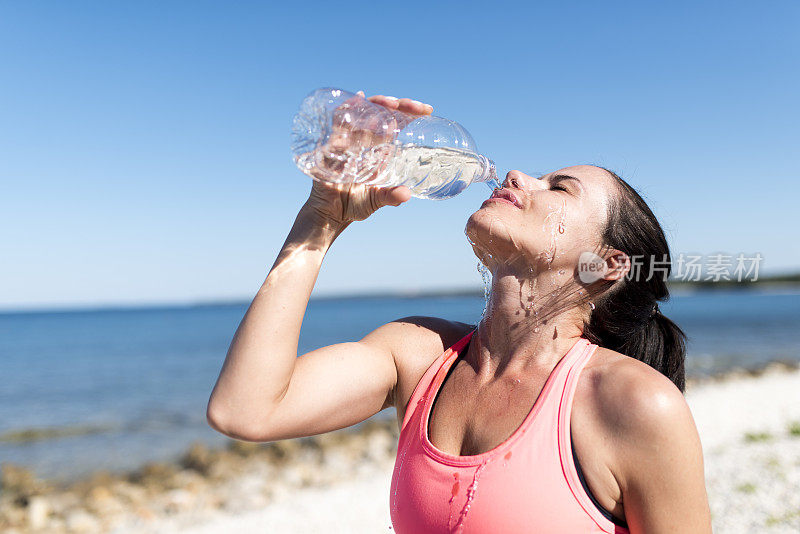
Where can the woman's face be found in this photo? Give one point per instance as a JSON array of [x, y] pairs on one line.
[[543, 223]]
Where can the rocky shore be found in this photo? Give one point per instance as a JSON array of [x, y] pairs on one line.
[[749, 422], [242, 476]]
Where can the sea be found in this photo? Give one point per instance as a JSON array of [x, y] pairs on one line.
[[112, 389]]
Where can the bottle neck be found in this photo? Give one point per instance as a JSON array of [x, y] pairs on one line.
[[489, 174]]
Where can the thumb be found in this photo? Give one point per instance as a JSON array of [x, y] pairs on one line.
[[393, 196]]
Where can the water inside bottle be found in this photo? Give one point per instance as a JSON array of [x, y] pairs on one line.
[[437, 173], [430, 172]]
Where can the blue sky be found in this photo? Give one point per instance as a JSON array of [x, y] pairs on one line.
[[144, 146]]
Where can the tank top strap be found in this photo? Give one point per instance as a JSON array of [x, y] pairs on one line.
[[570, 380], [421, 389], [564, 434], [568, 385], [547, 406], [578, 357]]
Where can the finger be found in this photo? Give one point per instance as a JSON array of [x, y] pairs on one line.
[[385, 101], [394, 196], [414, 106]]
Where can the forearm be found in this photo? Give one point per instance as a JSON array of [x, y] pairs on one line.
[[262, 355]]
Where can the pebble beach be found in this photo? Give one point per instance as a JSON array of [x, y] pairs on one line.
[[749, 423]]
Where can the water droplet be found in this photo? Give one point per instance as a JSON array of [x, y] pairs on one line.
[[486, 277], [456, 485], [471, 491], [396, 480], [471, 242], [561, 271]]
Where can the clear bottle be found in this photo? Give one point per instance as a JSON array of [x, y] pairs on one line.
[[341, 137]]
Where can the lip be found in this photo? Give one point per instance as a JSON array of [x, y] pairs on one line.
[[505, 195], [498, 199]]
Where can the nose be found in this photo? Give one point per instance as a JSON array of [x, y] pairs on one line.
[[520, 180]]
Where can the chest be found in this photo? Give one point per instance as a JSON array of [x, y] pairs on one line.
[[514, 493], [468, 418]]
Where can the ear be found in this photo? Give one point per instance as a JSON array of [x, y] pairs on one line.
[[617, 264]]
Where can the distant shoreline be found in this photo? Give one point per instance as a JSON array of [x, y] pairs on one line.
[[768, 284]]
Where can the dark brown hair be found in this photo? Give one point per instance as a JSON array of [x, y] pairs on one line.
[[626, 317]]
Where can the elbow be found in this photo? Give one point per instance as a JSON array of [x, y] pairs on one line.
[[215, 419], [234, 427], [219, 420], [222, 421]]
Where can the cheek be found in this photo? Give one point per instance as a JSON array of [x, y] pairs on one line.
[[581, 232]]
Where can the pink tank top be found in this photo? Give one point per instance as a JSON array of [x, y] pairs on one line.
[[528, 483]]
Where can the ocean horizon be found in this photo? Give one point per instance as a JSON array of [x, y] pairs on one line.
[[785, 283]]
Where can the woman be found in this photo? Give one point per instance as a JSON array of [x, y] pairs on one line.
[[562, 411]]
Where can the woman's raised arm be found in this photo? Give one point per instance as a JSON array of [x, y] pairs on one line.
[[264, 391]]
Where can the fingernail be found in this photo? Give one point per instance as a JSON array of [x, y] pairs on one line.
[[392, 98]]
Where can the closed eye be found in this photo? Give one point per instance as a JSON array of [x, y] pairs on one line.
[[557, 180]]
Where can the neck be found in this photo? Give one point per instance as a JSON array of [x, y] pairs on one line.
[[530, 323]]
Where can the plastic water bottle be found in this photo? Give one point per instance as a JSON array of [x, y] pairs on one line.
[[341, 137]]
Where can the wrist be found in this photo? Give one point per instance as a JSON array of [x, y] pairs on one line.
[[317, 228], [311, 215]]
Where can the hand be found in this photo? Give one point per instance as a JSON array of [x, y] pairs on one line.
[[341, 204]]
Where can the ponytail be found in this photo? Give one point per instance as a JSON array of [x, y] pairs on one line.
[[662, 345], [626, 317]]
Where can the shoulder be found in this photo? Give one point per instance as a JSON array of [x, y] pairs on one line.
[[641, 411], [654, 449], [414, 343], [633, 398], [417, 337]]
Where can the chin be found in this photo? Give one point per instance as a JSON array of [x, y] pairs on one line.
[[476, 226], [481, 216]]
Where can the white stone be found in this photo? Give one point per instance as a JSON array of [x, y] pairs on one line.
[[80, 522], [38, 510]]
